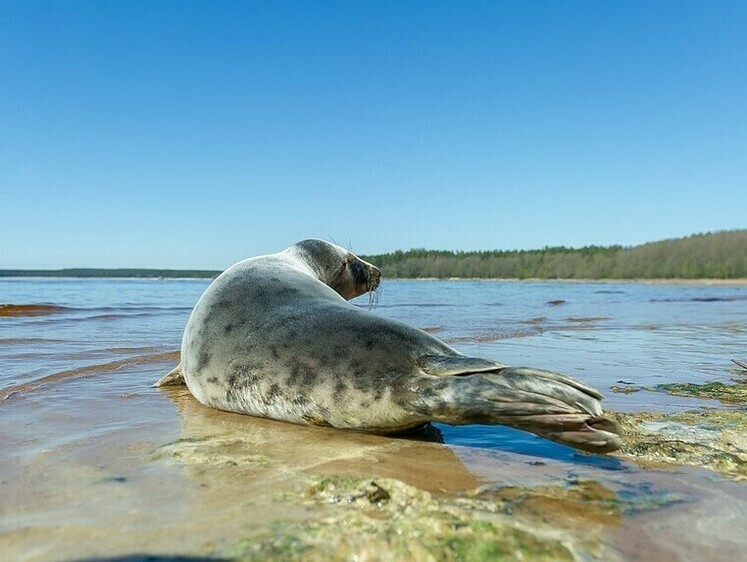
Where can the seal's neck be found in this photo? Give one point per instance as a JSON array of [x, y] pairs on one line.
[[306, 261]]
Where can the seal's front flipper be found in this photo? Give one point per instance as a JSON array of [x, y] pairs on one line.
[[172, 378], [456, 365]]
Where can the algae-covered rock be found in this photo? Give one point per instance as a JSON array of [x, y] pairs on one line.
[[735, 393], [714, 439], [386, 519]]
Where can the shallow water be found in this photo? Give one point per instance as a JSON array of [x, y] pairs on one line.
[[84, 440]]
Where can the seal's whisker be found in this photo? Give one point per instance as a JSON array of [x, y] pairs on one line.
[[373, 298]]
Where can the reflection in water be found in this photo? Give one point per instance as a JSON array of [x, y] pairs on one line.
[[510, 440], [210, 436]]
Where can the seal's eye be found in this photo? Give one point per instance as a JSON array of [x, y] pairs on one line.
[[358, 271]]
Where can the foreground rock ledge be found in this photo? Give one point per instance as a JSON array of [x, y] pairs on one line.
[[385, 519]]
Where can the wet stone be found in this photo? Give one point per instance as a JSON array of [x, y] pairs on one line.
[[625, 389]]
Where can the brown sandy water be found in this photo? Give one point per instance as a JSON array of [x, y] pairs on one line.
[[95, 463]]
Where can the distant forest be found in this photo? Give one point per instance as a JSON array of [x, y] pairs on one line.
[[718, 255]]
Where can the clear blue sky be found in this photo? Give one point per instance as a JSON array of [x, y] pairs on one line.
[[193, 134]]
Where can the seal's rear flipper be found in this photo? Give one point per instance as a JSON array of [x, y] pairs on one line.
[[542, 402], [172, 378]]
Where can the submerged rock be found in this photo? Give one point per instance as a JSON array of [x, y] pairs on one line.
[[212, 451]]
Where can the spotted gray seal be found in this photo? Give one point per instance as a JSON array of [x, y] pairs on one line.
[[275, 336]]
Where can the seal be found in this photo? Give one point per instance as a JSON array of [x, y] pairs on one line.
[[274, 336]]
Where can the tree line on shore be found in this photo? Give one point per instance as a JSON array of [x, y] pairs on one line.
[[717, 255]]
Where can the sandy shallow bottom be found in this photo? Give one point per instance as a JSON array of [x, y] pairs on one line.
[[91, 470]]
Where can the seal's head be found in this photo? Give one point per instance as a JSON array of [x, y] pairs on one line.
[[346, 273]]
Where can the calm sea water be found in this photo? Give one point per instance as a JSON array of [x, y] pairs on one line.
[[606, 334]]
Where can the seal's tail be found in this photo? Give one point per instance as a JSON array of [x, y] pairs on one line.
[[542, 402]]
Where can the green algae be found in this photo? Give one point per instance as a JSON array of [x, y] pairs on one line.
[[713, 439], [736, 392]]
